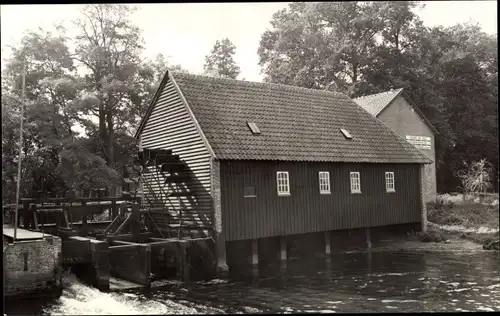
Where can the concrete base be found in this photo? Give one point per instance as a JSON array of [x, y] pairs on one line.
[[283, 255], [368, 238], [255, 253], [100, 268], [328, 247], [221, 267]]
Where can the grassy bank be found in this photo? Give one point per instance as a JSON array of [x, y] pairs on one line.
[[452, 216]]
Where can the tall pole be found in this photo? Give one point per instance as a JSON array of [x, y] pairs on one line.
[[20, 153]]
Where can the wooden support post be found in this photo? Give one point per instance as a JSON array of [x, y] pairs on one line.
[[184, 268], [147, 263], [149, 222], [369, 258], [283, 248], [26, 217], [84, 230], [70, 210], [25, 212], [255, 252], [35, 218], [328, 240], [368, 238], [59, 218], [113, 211], [66, 219], [123, 209], [135, 223]]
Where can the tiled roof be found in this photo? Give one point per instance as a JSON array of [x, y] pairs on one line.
[[296, 124], [375, 103]]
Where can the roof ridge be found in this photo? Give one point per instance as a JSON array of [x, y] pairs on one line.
[[259, 84]]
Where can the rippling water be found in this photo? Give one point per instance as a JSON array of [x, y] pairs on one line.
[[358, 282]]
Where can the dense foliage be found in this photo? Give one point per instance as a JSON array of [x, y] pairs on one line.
[[85, 95], [361, 48], [82, 105]]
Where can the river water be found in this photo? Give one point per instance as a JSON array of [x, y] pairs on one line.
[[356, 282]]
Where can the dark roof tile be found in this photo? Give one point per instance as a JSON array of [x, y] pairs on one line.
[[296, 124], [375, 103]]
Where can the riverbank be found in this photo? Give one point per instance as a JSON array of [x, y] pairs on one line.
[[455, 225], [469, 219]]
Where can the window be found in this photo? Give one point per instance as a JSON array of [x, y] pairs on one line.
[[249, 191], [421, 142], [346, 133], [254, 128], [283, 183], [324, 182], [389, 182], [355, 182]]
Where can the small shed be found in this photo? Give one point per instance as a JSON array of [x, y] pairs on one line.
[[396, 110]]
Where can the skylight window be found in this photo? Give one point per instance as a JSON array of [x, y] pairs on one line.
[[346, 133], [253, 127]]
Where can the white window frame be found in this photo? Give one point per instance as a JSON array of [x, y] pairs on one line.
[[355, 187], [324, 182], [283, 183], [390, 183]]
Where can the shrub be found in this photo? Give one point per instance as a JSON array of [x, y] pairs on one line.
[[454, 219], [431, 236]]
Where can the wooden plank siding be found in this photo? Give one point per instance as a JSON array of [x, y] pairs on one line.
[[306, 210], [171, 127]]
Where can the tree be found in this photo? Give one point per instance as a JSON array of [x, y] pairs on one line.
[[362, 48], [220, 62], [103, 78], [475, 177], [317, 44], [51, 112], [108, 46], [49, 115]]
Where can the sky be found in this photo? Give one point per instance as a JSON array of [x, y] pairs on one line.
[[186, 32]]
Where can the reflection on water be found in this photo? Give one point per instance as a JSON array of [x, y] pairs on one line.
[[377, 282]]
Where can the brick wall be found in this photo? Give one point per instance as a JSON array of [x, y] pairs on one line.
[[401, 118], [216, 196], [220, 242], [423, 199], [31, 266]]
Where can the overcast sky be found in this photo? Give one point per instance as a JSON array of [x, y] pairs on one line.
[[185, 33]]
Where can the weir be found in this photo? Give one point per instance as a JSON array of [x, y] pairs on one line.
[[116, 243], [128, 256]]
